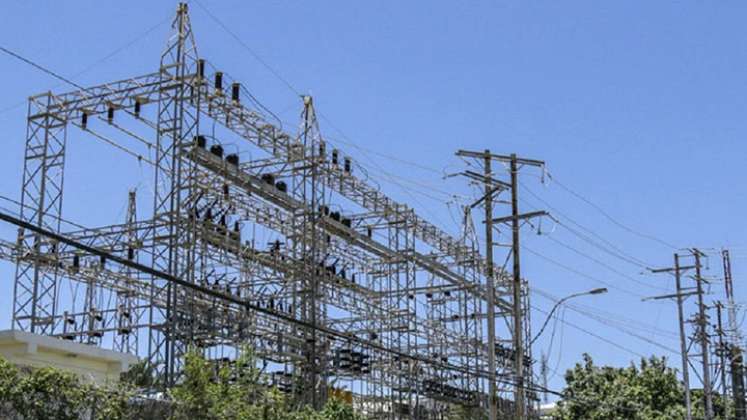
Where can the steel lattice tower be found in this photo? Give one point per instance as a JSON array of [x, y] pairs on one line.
[[331, 282]]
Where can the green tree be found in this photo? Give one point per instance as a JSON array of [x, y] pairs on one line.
[[237, 392], [49, 393], [648, 391]]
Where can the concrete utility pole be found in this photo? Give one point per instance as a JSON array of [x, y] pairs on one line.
[[491, 186], [518, 328], [734, 342], [702, 321], [721, 352], [703, 336], [679, 295], [491, 284]]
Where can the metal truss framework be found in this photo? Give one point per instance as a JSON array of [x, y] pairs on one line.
[[344, 257]]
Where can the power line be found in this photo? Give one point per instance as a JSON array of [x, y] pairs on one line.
[[597, 336], [610, 218], [605, 321], [249, 49], [584, 275], [87, 68], [603, 264], [40, 67], [230, 299], [613, 249]]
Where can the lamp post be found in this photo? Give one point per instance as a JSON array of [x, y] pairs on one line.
[[560, 302]]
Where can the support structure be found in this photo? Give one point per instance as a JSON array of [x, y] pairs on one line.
[[519, 301], [259, 237], [703, 338], [733, 343], [701, 325]]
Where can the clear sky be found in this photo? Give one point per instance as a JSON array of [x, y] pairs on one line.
[[636, 106]]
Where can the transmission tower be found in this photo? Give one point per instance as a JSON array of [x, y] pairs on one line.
[[259, 237]]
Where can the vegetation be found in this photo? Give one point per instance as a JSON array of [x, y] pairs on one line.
[[49, 393], [203, 394], [236, 392], [650, 391]]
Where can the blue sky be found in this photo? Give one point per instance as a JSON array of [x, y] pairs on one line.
[[636, 106]]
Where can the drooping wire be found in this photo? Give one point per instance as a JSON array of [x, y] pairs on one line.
[[610, 218]]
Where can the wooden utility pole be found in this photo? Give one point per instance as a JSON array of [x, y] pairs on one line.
[[703, 336]]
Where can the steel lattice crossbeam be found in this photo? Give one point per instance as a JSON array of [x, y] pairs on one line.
[[404, 300]]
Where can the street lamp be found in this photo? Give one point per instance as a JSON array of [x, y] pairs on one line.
[[599, 291]]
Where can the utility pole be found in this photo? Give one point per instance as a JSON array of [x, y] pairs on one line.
[[683, 340], [677, 269], [517, 309], [734, 342], [491, 284], [543, 372], [491, 187], [721, 352], [703, 336], [518, 328]]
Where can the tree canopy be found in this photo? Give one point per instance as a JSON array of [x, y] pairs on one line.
[[647, 391], [232, 392]]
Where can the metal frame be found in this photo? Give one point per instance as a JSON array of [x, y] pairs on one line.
[[341, 255]]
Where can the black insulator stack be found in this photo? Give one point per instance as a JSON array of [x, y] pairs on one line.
[[110, 114], [235, 88], [348, 164], [201, 141], [201, 68], [322, 150], [217, 150], [102, 261], [324, 210], [218, 80], [137, 108], [281, 186], [84, 120], [223, 220], [369, 231], [268, 178], [225, 190], [76, 261], [233, 159], [334, 156], [347, 222], [328, 239], [236, 226], [130, 253], [335, 215], [209, 215]]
